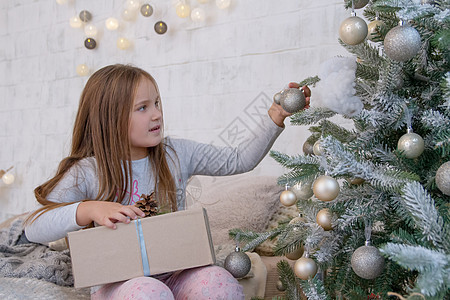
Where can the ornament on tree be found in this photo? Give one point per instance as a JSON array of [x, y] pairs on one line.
[[308, 149], [411, 144], [402, 43], [297, 253], [326, 188], [317, 148], [287, 197], [353, 30], [372, 28], [367, 261], [443, 178], [305, 267], [280, 286], [292, 100], [323, 218], [357, 4], [303, 190], [238, 263]]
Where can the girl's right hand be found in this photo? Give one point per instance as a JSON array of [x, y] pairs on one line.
[[106, 213]]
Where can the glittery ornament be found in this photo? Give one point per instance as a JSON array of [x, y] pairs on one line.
[[353, 30], [402, 43], [317, 148], [308, 148], [85, 16], [411, 144], [443, 178], [305, 268], [296, 254], [160, 27], [280, 286], [367, 262], [237, 263], [288, 198], [326, 188], [302, 190], [323, 218], [146, 10], [277, 98], [90, 43], [372, 30], [292, 100]]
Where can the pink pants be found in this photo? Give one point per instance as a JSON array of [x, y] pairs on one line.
[[210, 282]]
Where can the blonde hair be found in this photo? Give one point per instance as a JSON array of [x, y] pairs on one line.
[[101, 131]]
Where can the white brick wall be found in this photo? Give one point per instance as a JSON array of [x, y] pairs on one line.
[[208, 75]]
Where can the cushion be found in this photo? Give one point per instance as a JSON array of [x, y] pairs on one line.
[[238, 201]]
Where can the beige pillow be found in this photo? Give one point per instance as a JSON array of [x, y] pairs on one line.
[[238, 201]]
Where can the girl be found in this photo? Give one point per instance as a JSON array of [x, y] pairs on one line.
[[118, 153]]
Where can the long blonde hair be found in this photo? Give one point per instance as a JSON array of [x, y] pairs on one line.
[[101, 131]]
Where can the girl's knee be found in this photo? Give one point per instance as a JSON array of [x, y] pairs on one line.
[[142, 288]]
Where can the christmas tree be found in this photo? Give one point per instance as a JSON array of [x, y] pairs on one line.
[[373, 200]]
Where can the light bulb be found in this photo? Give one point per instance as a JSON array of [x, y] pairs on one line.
[[90, 31], [75, 22], [61, 2], [132, 5], [8, 178], [223, 4], [129, 15], [111, 24], [82, 70], [183, 10], [198, 15], [123, 43]]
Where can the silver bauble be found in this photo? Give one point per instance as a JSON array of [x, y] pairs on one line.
[[353, 30], [292, 100], [402, 43], [326, 188], [317, 148], [443, 178], [308, 149], [288, 198], [411, 144], [372, 29], [303, 190], [277, 98], [237, 263], [323, 218], [367, 262], [305, 267]]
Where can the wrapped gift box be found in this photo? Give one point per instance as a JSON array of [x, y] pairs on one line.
[[149, 246]]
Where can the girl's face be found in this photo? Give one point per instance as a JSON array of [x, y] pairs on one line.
[[146, 120]]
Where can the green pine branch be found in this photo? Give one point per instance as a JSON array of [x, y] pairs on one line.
[[311, 116]]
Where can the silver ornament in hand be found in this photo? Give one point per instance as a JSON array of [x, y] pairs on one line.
[[292, 100]]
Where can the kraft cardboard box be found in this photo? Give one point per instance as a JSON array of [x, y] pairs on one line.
[[173, 241]]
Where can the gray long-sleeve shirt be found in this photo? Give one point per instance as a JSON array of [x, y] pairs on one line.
[[192, 158]]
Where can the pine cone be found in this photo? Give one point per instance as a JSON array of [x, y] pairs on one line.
[[148, 205]]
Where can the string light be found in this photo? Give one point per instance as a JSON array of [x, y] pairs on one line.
[[7, 177]]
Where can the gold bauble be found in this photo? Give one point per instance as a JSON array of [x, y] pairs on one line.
[[280, 286], [323, 218], [372, 29], [305, 268], [317, 148], [355, 180], [296, 254], [288, 198], [411, 144], [326, 188]]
